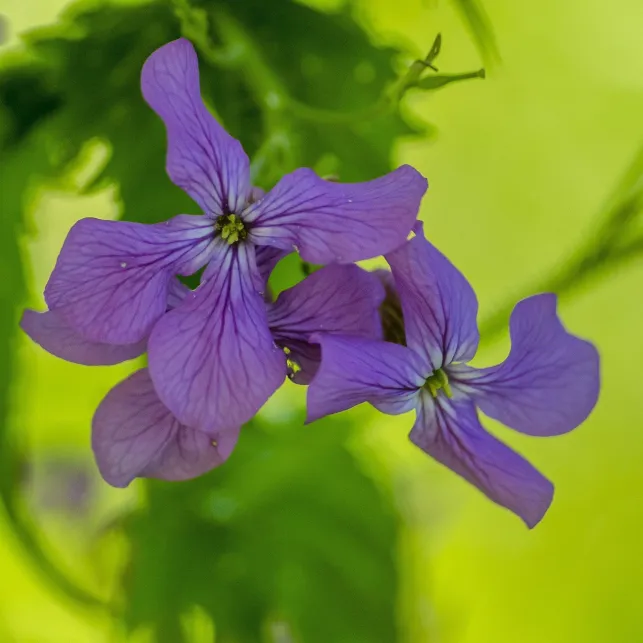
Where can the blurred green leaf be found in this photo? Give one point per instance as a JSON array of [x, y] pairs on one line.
[[289, 530], [479, 25], [89, 76], [25, 161]]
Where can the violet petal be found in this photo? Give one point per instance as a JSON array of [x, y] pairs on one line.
[[202, 158], [134, 435], [177, 292], [49, 330], [438, 303], [213, 360], [110, 282], [355, 370], [451, 433], [330, 222], [267, 259], [341, 299], [550, 381]]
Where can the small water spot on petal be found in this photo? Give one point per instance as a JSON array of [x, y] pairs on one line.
[[123, 264]]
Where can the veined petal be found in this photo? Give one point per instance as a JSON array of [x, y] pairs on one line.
[[451, 433], [438, 303], [177, 292], [550, 381], [110, 282], [341, 299], [213, 360], [134, 435], [267, 259], [355, 370], [330, 222], [202, 158], [49, 330], [191, 453]]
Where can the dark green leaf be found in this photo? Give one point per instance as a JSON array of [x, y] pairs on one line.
[[289, 529]]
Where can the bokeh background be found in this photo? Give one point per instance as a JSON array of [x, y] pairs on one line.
[[341, 531]]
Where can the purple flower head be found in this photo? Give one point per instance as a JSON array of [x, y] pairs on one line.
[[548, 384], [136, 435], [213, 360]]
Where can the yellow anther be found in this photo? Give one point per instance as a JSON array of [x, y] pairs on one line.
[[293, 367], [231, 228]]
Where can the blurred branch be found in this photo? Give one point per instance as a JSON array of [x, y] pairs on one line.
[[240, 51], [479, 25], [613, 244]]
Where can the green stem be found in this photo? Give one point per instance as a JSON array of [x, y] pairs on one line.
[[564, 283], [607, 249], [431, 83]]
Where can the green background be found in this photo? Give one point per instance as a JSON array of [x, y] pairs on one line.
[[341, 531]]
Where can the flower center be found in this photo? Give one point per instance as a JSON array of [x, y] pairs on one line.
[[293, 366], [436, 381], [392, 318], [231, 228]]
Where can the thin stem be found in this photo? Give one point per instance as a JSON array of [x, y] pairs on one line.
[[240, 51], [606, 250]]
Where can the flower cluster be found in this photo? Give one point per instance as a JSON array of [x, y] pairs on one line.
[[400, 340]]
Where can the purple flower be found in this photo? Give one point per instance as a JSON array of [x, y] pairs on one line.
[[135, 434], [213, 360], [548, 384]]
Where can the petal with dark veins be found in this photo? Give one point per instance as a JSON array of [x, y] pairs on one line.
[[550, 381], [213, 360], [110, 282], [202, 158], [135, 435], [450, 432], [50, 331], [330, 222]]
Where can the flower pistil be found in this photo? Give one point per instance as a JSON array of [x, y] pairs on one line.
[[437, 381], [231, 228]]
